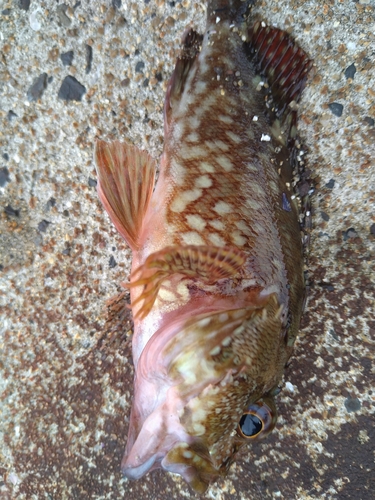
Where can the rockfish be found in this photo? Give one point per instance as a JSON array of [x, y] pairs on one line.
[[217, 282]]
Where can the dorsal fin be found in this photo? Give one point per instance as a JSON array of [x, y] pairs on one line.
[[283, 63], [191, 44], [126, 177]]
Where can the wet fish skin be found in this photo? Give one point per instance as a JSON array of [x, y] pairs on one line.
[[217, 278]]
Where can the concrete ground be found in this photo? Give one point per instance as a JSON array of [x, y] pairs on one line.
[[79, 70]]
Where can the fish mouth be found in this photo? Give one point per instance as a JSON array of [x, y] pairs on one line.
[[136, 472], [195, 467]]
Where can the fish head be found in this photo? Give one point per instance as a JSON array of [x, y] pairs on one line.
[[204, 388]]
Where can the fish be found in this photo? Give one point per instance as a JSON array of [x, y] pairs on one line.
[[217, 282]]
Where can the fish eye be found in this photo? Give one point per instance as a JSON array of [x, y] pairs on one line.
[[257, 420]]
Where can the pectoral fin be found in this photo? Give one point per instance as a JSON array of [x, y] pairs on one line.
[[209, 264], [126, 178]]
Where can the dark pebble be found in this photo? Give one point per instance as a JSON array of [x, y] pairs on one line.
[[6, 12], [159, 77], [50, 203], [71, 89], [303, 188], [11, 211], [372, 229], [327, 286], [349, 233], [1, 267], [24, 4], [67, 58], [66, 213], [4, 176], [6, 156], [66, 251], [88, 58], [139, 66], [324, 216], [285, 203], [370, 121], [116, 4], [112, 262], [336, 108], [113, 249], [352, 404], [42, 226], [37, 88], [350, 71], [145, 82], [11, 114], [330, 184], [92, 182], [125, 82], [61, 14]]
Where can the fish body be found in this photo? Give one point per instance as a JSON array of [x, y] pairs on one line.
[[217, 280]]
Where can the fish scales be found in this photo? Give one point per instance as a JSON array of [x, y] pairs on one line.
[[217, 281]]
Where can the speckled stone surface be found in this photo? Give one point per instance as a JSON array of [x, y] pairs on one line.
[[66, 374]]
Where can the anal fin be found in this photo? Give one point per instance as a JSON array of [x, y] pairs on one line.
[[126, 177], [281, 60], [208, 264]]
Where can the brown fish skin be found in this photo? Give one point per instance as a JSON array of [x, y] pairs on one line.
[[217, 285]]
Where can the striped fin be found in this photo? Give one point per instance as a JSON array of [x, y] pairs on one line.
[[126, 178], [285, 65], [206, 263]]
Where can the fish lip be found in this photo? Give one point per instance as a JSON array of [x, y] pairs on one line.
[[137, 472]]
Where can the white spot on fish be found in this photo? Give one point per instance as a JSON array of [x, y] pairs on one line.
[[224, 162], [192, 238], [193, 137], [206, 167], [226, 119], [217, 224], [180, 202], [216, 239], [193, 152], [196, 222], [234, 137], [238, 239], [204, 181], [215, 351], [223, 208]]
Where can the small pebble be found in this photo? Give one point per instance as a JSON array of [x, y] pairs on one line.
[[139, 66], [42, 226], [11, 211], [24, 4], [92, 182], [330, 184], [37, 88], [67, 58], [370, 121], [116, 4], [112, 262], [352, 404], [350, 71], [349, 233], [4, 176], [336, 108], [11, 114], [88, 58], [372, 229], [325, 216], [71, 89], [61, 14]]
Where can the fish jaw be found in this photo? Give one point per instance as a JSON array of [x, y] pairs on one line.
[[189, 375]]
